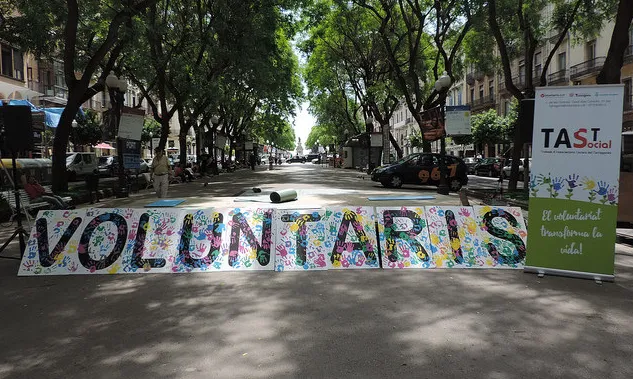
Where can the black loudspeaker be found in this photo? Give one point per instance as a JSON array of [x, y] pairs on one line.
[[18, 128], [526, 119]]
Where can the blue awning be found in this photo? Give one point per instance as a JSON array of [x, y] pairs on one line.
[[51, 115]]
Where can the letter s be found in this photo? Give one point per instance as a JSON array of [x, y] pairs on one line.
[[579, 135]]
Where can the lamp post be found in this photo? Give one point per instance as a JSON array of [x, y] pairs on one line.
[[151, 145], [442, 85], [214, 161], [117, 89], [369, 127]]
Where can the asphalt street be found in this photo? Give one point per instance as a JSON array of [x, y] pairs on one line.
[[481, 323]]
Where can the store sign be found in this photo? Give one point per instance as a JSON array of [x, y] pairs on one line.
[[457, 121], [574, 180], [174, 240], [131, 154]]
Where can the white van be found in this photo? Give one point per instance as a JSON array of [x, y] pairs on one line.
[[79, 164]]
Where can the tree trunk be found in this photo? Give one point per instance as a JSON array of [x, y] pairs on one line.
[[164, 133], [396, 146], [610, 73], [60, 142], [182, 136]]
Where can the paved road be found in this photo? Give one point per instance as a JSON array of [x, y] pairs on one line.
[[353, 324]]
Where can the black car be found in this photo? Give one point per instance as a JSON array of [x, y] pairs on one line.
[[489, 167], [422, 168], [312, 157], [471, 162], [296, 159]]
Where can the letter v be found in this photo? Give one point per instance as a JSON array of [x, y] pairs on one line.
[[47, 258]]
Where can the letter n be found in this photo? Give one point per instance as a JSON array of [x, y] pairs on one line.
[[240, 225]]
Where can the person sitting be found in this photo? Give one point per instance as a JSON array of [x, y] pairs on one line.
[[180, 171], [37, 192]]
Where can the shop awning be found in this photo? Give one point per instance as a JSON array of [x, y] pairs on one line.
[[104, 146], [13, 91]]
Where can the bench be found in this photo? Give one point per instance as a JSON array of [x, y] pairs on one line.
[[26, 203]]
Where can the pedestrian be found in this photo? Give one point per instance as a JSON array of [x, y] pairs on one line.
[[39, 193], [92, 185], [252, 161], [160, 171], [270, 162]]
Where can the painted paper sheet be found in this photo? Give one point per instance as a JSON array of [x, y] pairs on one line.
[[574, 179], [503, 235], [201, 240], [301, 240], [353, 234], [247, 243], [404, 237], [455, 238]]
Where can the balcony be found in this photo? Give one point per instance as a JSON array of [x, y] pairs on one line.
[[49, 90], [628, 54], [558, 77], [586, 68], [483, 102]]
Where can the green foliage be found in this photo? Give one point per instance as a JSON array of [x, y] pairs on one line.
[[88, 129], [151, 129], [489, 128], [416, 140]]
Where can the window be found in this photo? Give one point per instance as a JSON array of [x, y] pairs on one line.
[[459, 98], [472, 94], [628, 93], [521, 71], [7, 61], [87, 158], [590, 50], [481, 91], [562, 61], [491, 88], [537, 64], [18, 65], [506, 107]]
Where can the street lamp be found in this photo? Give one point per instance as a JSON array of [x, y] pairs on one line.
[[151, 144], [442, 85], [117, 89], [369, 127]]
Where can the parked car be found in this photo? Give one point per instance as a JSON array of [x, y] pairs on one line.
[[80, 164], [312, 157], [489, 167], [296, 159], [422, 168], [471, 162], [507, 167], [108, 165]]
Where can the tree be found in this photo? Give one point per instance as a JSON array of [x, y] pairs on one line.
[[422, 39], [610, 72], [88, 129], [488, 128], [347, 56], [519, 28], [88, 38]]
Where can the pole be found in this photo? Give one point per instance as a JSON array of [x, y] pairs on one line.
[[118, 107], [443, 188]]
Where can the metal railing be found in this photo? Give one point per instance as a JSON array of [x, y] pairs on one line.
[[483, 101], [558, 77], [586, 68]]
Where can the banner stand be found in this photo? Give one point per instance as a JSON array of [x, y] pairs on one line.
[[542, 271]]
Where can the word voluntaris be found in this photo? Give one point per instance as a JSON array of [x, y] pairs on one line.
[[579, 138], [111, 241]]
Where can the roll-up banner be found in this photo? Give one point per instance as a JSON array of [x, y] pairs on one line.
[[574, 181]]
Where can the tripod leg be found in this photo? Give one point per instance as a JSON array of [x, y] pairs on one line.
[[21, 232]]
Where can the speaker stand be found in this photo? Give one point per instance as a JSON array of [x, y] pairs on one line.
[[19, 231]]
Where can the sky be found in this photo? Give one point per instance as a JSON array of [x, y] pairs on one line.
[[303, 122]]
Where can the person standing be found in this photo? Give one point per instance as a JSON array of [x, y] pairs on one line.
[[160, 170], [252, 161]]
